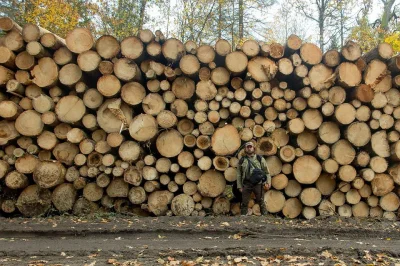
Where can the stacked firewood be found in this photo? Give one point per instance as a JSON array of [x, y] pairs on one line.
[[151, 125]]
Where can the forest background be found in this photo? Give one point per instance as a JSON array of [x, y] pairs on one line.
[[327, 23]]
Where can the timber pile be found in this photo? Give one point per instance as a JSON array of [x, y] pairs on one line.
[[151, 125]]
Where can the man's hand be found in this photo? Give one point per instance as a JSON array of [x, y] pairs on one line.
[[241, 190], [267, 186]]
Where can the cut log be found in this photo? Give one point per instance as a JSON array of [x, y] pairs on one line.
[[225, 140], [389, 202], [65, 152], [113, 115], [143, 127], [380, 144], [16, 180], [262, 69], [351, 51], [182, 205], [329, 132], [137, 195], [189, 64], [312, 119], [164, 141], [251, 48], [29, 123], [236, 62], [343, 152], [320, 77], [127, 70], [173, 50], [158, 202], [211, 183], [132, 48], [70, 109], [310, 197], [292, 208], [49, 174], [306, 169], [383, 51], [79, 40], [107, 46], [34, 201], [26, 164], [310, 53], [382, 184], [348, 75], [358, 133], [63, 197], [118, 188], [14, 41]]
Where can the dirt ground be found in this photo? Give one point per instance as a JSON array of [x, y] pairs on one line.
[[249, 240]]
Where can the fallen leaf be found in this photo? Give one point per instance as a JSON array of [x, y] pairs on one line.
[[225, 224], [161, 237], [111, 261]]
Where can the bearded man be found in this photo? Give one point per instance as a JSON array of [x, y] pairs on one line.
[[247, 165]]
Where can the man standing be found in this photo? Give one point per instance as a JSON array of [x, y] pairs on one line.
[[246, 166]]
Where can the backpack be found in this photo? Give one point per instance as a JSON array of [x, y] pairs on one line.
[[258, 175]]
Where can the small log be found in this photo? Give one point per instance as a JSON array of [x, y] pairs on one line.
[[137, 195], [132, 48], [16, 180], [312, 119]]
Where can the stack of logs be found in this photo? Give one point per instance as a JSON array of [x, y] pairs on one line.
[[154, 126]]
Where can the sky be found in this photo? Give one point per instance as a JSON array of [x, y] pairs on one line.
[[157, 21]]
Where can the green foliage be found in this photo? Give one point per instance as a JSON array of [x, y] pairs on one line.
[[364, 35], [121, 18]]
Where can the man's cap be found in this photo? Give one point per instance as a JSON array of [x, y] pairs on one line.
[[249, 143]]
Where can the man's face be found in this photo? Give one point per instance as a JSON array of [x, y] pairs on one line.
[[250, 149]]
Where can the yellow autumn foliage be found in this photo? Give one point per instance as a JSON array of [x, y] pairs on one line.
[[394, 40], [57, 16]]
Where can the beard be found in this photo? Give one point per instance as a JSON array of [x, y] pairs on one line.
[[250, 152]]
